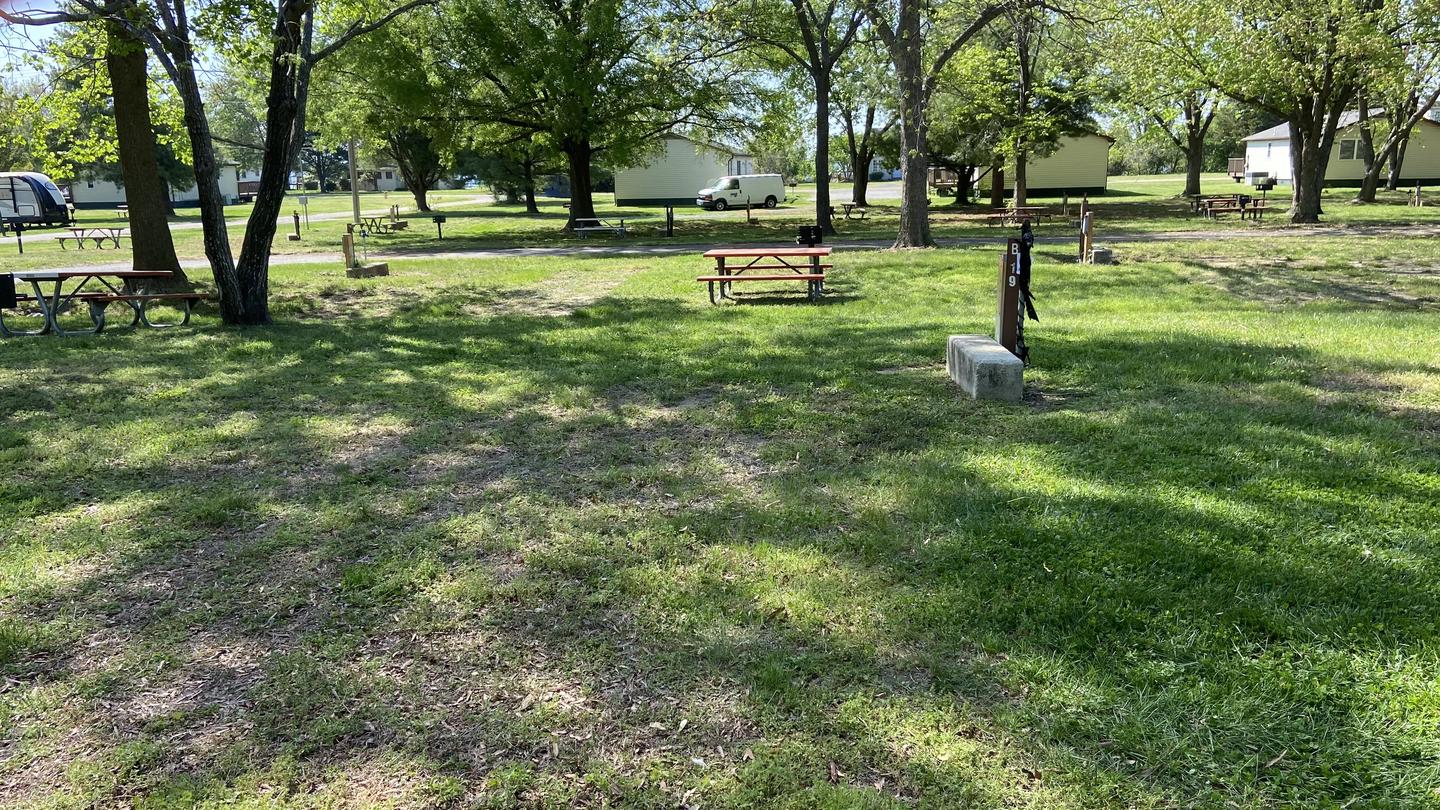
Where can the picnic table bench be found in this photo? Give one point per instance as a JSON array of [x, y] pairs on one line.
[[1032, 214], [584, 225], [1244, 205], [97, 234], [95, 288], [803, 263], [850, 208]]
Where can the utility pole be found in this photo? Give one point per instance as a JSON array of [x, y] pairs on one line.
[[354, 183]]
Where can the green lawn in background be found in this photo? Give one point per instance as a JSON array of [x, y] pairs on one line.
[[1133, 205], [558, 533]]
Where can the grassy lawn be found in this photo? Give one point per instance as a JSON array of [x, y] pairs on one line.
[[558, 533]]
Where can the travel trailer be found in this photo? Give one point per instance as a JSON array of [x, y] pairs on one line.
[[31, 198]]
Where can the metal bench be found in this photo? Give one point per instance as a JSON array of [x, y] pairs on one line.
[[585, 225]]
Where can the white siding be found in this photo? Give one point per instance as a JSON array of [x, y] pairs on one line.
[[680, 169], [1271, 157], [85, 193], [387, 178], [91, 193]]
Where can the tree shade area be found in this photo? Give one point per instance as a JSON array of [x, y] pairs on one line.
[[384, 427]]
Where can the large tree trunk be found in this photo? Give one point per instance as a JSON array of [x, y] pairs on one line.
[[822, 153], [1307, 170], [1021, 178], [146, 197], [862, 153], [414, 154], [1370, 183], [861, 169], [582, 194], [527, 166], [1194, 161], [285, 106], [997, 186], [964, 184], [1397, 162], [914, 191], [1312, 134], [215, 233]]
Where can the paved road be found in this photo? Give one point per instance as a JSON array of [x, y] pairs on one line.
[[602, 251], [284, 219]]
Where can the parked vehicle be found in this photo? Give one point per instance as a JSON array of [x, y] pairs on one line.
[[31, 198], [738, 189]]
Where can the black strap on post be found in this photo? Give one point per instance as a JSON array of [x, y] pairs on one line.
[[1027, 307]]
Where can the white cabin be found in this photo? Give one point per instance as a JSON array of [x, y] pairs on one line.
[[1267, 154]]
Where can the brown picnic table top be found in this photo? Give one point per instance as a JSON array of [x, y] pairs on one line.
[[777, 252], [63, 275]]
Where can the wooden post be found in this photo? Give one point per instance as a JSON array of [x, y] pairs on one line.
[[1087, 227], [1007, 304], [295, 237], [354, 184], [347, 244]]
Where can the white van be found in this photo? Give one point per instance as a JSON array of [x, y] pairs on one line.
[[735, 190]]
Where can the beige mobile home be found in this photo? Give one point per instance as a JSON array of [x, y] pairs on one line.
[[1267, 153], [1080, 164], [677, 172]]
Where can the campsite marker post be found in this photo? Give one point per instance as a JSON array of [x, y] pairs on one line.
[[1007, 304]]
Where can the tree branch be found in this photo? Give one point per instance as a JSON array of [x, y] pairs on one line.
[[357, 29]]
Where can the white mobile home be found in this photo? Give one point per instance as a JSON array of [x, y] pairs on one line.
[[1267, 153], [91, 192], [1080, 164], [674, 174]]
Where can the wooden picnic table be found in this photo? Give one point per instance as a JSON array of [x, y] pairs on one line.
[[858, 210], [96, 288], [802, 263], [99, 234]]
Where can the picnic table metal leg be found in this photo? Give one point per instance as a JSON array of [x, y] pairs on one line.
[[6, 331], [143, 315], [53, 312]]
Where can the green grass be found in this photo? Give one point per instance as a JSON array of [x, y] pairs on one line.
[[555, 533]]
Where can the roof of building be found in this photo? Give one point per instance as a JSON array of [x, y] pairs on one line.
[[718, 147], [1349, 118]]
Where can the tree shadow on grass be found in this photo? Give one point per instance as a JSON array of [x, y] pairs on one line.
[[533, 549]]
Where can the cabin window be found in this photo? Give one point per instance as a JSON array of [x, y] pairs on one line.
[[1268, 147], [1349, 149], [89, 183]]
